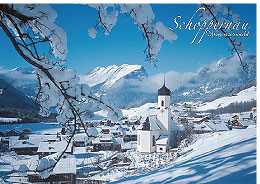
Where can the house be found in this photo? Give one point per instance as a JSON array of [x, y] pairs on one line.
[[24, 147], [130, 136], [242, 124], [210, 126], [105, 144], [44, 138], [235, 117], [26, 131], [80, 140], [48, 148], [157, 125], [8, 141], [128, 146], [116, 133], [63, 172], [12, 133]]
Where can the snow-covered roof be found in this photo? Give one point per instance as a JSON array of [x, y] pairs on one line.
[[151, 123], [128, 145], [174, 126], [24, 144], [163, 140], [212, 126], [102, 140], [80, 137], [54, 147], [247, 122], [130, 132], [217, 126], [66, 165], [43, 137]]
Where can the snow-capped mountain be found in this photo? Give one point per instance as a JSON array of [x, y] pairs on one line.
[[117, 84], [22, 78], [110, 75], [219, 78], [121, 84]]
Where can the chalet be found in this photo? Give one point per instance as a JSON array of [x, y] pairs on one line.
[[130, 136], [80, 140], [48, 148], [12, 133], [26, 131], [235, 117], [116, 133], [105, 130], [9, 140], [242, 124], [105, 144], [44, 138], [210, 126], [24, 147], [128, 146], [23, 136], [63, 172]]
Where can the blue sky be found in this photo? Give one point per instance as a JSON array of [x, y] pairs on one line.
[[125, 43]]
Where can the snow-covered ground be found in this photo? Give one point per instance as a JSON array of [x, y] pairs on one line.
[[243, 96], [223, 157]]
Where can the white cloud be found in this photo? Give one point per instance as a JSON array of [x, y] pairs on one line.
[[173, 81]]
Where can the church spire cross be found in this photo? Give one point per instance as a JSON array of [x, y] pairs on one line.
[[164, 79]]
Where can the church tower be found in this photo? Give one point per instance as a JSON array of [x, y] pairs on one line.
[[164, 113]]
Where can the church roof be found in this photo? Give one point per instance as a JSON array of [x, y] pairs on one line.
[[164, 91], [151, 123]]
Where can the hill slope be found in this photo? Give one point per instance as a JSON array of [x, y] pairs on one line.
[[226, 157]]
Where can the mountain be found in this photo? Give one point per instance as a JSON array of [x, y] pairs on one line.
[[246, 95], [22, 78], [129, 86], [117, 84], [220, 78], [15, 98]]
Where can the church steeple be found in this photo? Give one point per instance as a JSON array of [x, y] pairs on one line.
[[164, 91]]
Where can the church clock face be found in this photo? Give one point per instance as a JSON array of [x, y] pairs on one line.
[[162, 110]]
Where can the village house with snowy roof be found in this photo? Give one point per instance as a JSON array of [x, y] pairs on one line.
[[158, 132]]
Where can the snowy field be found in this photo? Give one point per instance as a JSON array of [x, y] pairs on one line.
[[226, 157], [243, 96]]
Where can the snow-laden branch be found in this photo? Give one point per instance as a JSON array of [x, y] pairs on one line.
[[220, 14], [30, 26], [143, 17]]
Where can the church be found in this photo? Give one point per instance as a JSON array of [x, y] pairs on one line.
[[157, 133]]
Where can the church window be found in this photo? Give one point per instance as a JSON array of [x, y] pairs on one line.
[[162, 103], [153, 140], [139, 140]]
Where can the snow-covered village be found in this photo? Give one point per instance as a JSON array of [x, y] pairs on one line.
[[71, 113]]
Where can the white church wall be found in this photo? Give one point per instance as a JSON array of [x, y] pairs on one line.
[[143, 141]]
